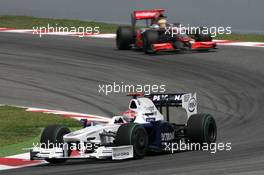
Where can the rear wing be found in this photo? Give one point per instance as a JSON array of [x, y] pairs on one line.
[[145, 15], [187, 101], [148, 14]]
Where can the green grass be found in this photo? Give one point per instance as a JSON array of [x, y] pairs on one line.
[[28, 22], [20, 129], [242, 37]]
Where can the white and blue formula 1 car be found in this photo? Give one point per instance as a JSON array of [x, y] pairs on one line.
[[143, 128]]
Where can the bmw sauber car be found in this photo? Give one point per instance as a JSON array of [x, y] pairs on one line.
[[148, 125], [155, 38]]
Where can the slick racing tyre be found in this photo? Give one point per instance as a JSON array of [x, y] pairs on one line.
[[124, 38], [53, 136], [200, 36], [133, 134], [203, 37], [201, 128], [150, 37]]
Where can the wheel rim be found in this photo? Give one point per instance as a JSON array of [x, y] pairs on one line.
[[212, 132], [140, 140]]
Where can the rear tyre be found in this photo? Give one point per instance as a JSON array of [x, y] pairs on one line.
[[199, 36], [124, 38], [53, 136], [133, 134], [202, 37], [201, 128], [150, 37]]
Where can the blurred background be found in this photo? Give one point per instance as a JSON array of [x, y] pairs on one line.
[[244, 16]]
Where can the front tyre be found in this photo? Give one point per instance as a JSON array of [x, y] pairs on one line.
[[150, 37], [51, 137], [203, 37], [200, 36], [135, 135]]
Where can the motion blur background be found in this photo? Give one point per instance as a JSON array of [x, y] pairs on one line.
[[245, 16]]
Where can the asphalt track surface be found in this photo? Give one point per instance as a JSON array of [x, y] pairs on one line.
[[64, 73]]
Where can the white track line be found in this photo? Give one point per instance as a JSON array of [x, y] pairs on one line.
[[111, 35]]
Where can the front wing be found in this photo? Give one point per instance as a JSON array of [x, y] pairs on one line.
[[194, 46], [102, 152]]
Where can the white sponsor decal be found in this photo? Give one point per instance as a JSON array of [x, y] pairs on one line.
[[145, 14], [167, 136], [192, 105], [178, 97], [122, 152]]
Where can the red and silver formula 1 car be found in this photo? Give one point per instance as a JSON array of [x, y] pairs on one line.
[[155, 38]]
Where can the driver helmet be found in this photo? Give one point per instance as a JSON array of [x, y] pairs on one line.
[[162, 21], [155, 26]]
